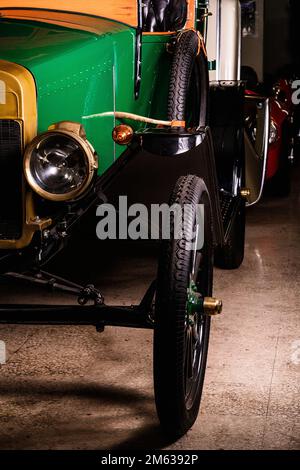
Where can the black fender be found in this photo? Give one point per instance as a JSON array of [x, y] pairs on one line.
[[155, 162], [226, 119]]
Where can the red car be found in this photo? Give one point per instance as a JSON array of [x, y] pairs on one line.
[[280, 151], [281, 144]]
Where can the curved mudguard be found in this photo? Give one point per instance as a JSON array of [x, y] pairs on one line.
[[257, 154], [227, 125], [148, 170], [239, 162]]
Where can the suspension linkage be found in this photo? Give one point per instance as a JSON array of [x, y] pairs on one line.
[[57, 283]]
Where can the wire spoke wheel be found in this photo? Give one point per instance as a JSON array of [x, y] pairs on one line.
[[196, 323], [181, 333], [193, 354]]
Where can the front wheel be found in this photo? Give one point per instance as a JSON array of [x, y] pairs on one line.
[[181, 334]]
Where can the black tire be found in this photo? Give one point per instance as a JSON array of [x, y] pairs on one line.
[[231, 255], [189, 83], [177, 396]]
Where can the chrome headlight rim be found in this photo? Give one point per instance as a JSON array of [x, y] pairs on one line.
[[76, 134]]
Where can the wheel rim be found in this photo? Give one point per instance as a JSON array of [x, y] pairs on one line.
[[196, 324], [194, 336]]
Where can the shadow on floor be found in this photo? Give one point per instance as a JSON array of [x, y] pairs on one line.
[[40, 393]]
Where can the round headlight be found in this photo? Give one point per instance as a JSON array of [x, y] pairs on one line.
[[59, 164], [273, 133]]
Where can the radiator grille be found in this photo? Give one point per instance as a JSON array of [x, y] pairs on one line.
[[11, 213]]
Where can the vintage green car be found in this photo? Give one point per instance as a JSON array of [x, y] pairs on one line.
[[86, 89]]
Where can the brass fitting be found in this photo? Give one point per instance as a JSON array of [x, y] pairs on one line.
[[122, 134], [245, 192], [212, 306]]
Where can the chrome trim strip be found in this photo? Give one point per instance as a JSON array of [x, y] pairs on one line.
[[264, 153]]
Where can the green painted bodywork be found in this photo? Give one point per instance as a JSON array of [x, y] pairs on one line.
[[78, 73]]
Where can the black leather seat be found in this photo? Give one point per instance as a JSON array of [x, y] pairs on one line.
[[164, 15]]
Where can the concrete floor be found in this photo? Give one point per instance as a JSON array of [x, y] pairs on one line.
[[73, 388]]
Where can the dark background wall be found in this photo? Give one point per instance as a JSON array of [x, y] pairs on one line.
[[253, 47], [276, 45], [277, 36], [295, 32]]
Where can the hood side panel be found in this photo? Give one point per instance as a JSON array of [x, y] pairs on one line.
[[73, 71], [78, 73]]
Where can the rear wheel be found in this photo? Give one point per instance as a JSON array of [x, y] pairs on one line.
[[181, 334]]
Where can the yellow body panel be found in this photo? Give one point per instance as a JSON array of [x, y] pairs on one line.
[[18, 97], [18, 102]]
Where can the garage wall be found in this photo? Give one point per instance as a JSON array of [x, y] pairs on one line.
[[277, 42], [253, 47]]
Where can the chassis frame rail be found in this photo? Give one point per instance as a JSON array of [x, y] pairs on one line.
[[98, 315], [95, 315]]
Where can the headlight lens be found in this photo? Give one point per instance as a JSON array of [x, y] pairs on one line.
[[59, 166], [273, 133]]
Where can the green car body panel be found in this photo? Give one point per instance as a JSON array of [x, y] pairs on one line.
[[79, 73]]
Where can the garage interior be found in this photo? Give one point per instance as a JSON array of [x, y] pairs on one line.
[[70, 387]]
